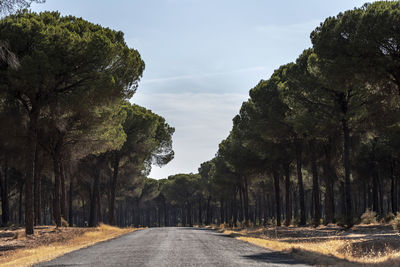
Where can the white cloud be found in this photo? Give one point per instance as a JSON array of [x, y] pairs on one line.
[[201, 75], [201, 121]]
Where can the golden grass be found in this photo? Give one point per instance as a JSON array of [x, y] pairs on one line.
[[28, 257], [332, 248]]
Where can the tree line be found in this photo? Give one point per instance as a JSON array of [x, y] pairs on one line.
[[317, 142], [72, 146]]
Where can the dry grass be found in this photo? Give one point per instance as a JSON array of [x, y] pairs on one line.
[[364, 244], [50, 242]]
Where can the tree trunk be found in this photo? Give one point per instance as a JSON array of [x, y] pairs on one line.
[[208, 211], [93, 219], [381, 210], [346, 159], [288, 205], [234, 208], [295, 204], [277, 198], [63, 199], [189, 214], [375, 206], [37, 188], [5, 208], [98, 202], [30, 170], [365, 196], [222, 210], [57, 207], [300, 183], [264, 206], [200, 221], [241, 212], [329, 182], [21, 189], [315, 186], [2, 199], [246, 202], [158, 216], [70, 195], [398, 190], [165, 213], [112, 189], [84, 211], [393, 193]]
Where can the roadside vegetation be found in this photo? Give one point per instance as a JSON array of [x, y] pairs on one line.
[[49, 242], [373, 244]]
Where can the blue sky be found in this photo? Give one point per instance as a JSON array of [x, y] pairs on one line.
[[203, 56]]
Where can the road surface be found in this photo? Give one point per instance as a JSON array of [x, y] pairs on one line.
[[173, 246]]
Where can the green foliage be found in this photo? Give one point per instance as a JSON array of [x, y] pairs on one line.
[[148, 140], [74, 58], [180, 188], [150, 190]]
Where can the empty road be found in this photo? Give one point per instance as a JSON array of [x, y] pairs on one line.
[[173, 246]]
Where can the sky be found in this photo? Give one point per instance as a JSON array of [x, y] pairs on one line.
[[203, 56]]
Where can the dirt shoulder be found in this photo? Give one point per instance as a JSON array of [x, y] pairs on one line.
[[329, 245], [49, 242]]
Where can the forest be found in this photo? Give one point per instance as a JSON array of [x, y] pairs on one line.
[[316, 143]]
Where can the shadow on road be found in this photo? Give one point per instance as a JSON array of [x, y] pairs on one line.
[[273, 257]]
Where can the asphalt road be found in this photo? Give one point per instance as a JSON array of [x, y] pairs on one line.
[[172, 246]]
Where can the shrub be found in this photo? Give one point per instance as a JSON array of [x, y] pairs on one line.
[[387, 218], [368, 217], [396, 223], [64, 223]]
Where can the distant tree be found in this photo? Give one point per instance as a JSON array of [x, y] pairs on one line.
[[179, 190], [148, 140], [207, 174], [236, 163]]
